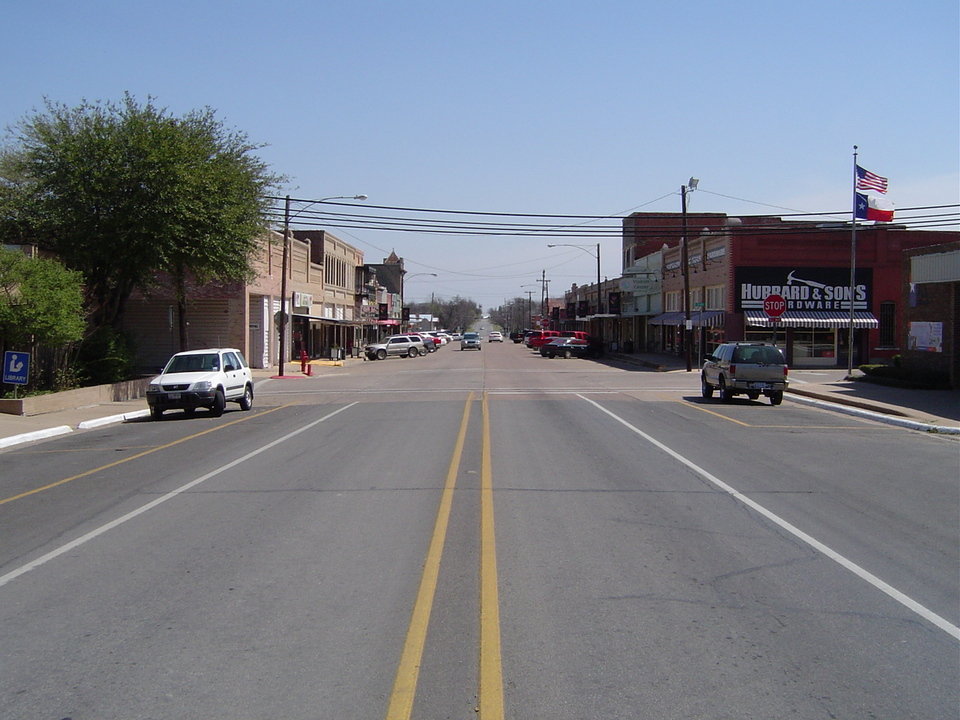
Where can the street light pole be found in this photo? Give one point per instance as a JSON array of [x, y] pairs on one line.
[[599, 294], [684, 259], [586, 249], [401, 292], [685, 271], [281, 356]]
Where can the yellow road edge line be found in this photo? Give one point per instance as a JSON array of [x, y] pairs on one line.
[[778, 427], [711, 412], [490, 693], [95, 470], [408, 671]]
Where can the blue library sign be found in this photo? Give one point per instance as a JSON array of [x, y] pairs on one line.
[[16, 367]]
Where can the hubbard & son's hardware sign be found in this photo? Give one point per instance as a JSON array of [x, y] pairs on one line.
[[803, 288]]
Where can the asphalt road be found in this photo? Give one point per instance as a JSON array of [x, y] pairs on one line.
[[487, 534]]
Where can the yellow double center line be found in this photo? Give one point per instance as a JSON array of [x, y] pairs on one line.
[[490, 692]]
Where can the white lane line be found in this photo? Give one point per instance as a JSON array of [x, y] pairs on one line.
[[73, 544], [860, 572]]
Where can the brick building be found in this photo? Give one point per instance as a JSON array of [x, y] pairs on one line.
[[734, 263]]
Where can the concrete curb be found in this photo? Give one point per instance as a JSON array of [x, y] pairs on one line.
[[97, 422], [873, 415], [35, 435]]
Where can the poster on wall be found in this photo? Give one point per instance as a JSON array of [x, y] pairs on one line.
[[816, 289], [926, 336]]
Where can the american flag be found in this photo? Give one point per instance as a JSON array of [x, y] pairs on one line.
[[867, 180]]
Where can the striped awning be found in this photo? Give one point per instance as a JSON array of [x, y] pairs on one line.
[[803, 319], [703, 318]]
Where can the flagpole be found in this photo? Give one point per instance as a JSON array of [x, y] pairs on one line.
[[853, 268]]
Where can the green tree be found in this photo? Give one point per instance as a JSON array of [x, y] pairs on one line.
[[456, 314], [126, 192], [41, 311]]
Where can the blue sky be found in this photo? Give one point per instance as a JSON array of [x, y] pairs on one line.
[[580, 108]]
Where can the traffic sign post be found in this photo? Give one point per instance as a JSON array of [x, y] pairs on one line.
[[16, 368], [774, 306]]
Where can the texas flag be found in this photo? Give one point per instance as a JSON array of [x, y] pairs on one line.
[[871, 208]]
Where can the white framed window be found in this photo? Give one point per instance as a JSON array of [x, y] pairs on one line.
[[716, 297], [696, 298], [671, 301]]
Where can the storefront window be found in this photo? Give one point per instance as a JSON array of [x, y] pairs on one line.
[[713, 337], [815, 346]]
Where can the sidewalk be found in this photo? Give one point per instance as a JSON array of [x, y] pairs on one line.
[[929, 410], [18, 429]]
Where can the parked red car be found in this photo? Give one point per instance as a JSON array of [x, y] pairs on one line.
[[537, 338]]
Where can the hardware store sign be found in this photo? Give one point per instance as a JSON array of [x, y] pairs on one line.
[[803, 288]]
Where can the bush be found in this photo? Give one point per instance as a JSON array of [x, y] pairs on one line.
[[899, 376], [106, 356]]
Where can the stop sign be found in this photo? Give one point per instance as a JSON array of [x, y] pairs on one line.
[[774, 306]]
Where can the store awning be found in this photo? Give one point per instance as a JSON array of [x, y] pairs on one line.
[[804, 319], [392, 321], [702, 318]]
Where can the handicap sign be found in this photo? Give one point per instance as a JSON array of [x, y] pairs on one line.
[[16, 367]]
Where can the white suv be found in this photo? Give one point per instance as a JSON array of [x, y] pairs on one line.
[[202, 378]]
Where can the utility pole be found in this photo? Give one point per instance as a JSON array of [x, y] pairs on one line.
[[283, 282]]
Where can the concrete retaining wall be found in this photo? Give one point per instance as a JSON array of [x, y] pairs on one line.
[[81, 397]]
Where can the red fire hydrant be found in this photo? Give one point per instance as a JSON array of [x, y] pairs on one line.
[[303, 361]]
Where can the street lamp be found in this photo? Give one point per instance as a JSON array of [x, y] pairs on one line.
[[586, 249], [401, 291], [687, 322], [287, 217]]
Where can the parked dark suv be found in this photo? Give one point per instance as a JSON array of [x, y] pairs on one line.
[[743, 368]]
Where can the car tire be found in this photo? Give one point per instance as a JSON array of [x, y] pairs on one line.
[[412, 352], [753, 395], [219, 404], [567, 354], [776, 397], [706, 389], [381, 354], [725, 393], [246, 402], [156, 413]]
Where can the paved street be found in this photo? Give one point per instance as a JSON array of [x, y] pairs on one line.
[[487, 532]]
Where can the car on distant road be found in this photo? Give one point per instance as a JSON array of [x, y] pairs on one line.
[[517, 337], [745, 368], [471, 341], [400, 345], [207, 378], [495, 336], [566, 347]]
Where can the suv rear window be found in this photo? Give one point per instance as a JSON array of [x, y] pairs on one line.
[[764, 355]]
